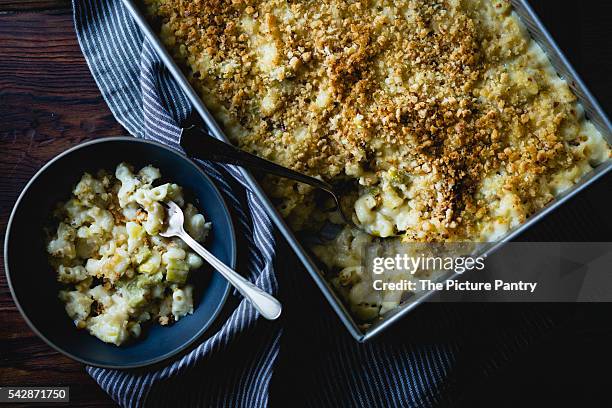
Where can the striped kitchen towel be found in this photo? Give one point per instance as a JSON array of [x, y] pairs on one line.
[[307, 358], [147, 102]]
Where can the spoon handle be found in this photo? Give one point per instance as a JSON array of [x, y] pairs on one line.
[[263, 302], [198, 143]]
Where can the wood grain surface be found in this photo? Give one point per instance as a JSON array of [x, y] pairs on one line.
[[33, 5], [49, 102]]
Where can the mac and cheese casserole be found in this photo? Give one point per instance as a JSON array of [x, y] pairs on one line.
[[447, 117], [117, 271]]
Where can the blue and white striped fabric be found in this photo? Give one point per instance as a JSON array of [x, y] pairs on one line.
[[306, 358], [148, 104]]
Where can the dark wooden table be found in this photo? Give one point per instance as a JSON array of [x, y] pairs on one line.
[[49, 102]]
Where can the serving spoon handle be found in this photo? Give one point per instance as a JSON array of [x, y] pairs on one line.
[[198, 143]]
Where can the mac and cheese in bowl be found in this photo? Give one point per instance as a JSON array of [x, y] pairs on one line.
[[117, 271]]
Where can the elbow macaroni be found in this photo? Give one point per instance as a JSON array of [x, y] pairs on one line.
[[448, 115], [118, 272]]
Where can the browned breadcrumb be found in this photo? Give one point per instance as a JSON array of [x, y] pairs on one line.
[[98, 308], [425, 86]]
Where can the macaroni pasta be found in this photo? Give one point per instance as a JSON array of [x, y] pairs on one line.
[[117, 270], [446, 115]]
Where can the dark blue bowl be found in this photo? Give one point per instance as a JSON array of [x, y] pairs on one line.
[[32, 280]]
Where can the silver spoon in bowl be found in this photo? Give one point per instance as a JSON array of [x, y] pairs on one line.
[[263, 302]]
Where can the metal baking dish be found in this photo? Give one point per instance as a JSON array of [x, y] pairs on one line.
[[560, 63]]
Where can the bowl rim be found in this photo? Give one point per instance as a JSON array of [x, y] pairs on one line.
[[150, 361]]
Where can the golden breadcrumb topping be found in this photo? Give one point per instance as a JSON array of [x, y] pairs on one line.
[[451, 96]]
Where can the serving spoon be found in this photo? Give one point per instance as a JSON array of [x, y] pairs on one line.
[[199, 144], [263, 302]]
